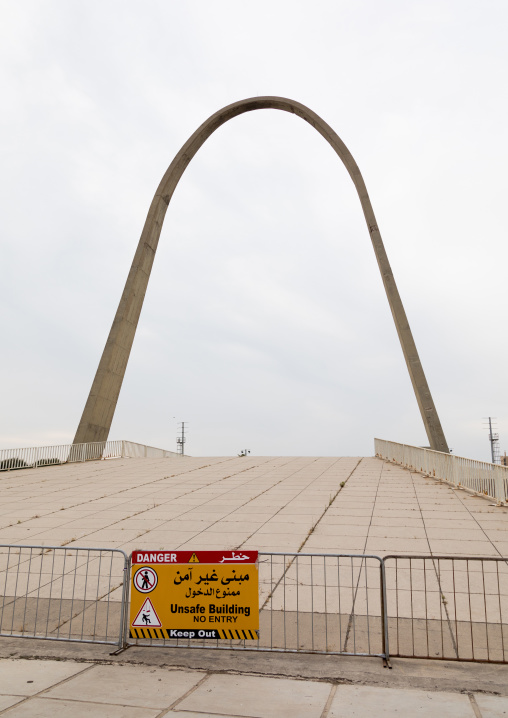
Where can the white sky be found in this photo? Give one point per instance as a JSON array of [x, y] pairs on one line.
[[265, 324]]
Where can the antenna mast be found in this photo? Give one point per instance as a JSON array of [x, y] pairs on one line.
[[180, 439], [494, 440]]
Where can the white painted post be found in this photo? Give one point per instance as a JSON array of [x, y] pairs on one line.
[[499, 485]]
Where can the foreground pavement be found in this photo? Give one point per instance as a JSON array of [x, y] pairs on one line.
[[50, 680]]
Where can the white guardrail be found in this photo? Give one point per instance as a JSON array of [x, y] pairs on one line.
[[481, 477], [34, 456]]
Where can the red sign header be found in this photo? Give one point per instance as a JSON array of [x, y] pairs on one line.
[[225, 557]]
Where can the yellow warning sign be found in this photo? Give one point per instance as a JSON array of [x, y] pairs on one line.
[[194, 599]]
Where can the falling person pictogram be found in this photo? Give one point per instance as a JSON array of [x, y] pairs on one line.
[[147, 616]]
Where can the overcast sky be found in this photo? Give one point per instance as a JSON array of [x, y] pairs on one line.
[[265, 324]]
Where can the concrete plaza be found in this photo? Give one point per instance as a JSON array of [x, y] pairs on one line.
[[347, 505], [328, 505], [266, 503]]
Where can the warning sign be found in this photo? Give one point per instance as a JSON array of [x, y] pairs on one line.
[[202, 594], [147, 616]]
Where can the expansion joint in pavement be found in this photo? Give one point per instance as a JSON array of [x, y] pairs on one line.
[[185, 695], [328, 705], [442, 602], [475, 706], [311, 531], [352, 614]]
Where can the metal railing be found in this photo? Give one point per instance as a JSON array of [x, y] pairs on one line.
[[35, 456], [448, 607], [445, 607], [132, 450], [310, 603], [480, 477], [63, 594]]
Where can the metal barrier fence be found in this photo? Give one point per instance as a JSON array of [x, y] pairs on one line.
[[66, 594], [480, 477], [312, 603], [448, 607], [35, 456]]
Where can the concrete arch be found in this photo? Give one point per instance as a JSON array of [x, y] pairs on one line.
[[101, 403]]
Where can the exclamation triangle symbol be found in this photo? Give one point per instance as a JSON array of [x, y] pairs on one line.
[[194, 559], [147, 617]]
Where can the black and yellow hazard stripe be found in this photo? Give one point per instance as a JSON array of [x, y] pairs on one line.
[[146, 633], [242, 634]]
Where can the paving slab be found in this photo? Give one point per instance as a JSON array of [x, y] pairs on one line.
[[192, 714], [501, 547], [26, 678], [492, 706], [363, 701], [48, 708], [141, 686], [462, 548], [258, 696], [399, 532]]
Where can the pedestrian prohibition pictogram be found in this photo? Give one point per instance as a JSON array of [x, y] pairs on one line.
[[145, 579], [147, 616], [198, 595]]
